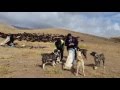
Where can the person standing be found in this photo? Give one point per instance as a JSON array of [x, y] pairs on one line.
[[11, 41], [60, 46], [71, 43]]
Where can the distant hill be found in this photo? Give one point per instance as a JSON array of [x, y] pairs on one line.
[[20, 27], [115, 39]]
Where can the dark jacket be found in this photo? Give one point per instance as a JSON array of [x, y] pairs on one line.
[[73, 41], [11, 39], [60, 44]]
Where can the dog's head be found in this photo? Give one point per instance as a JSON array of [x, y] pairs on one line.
[[83, 51], [57, 52], [93, 53], [78, 49]]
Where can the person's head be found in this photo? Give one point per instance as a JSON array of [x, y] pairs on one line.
[[11, 35], [69, 36], [58, 39]]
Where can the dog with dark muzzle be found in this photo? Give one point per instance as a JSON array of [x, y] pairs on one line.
[[51, 58], [97, 59]]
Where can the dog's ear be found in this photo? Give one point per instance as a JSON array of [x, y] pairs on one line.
[[78, 49], [55, 50], [52, 52], [94, 53]]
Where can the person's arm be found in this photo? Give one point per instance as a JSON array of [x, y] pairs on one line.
[[7, 40], [71, 44], [63, 44], [55, 44], [66, 42], [76, 43]]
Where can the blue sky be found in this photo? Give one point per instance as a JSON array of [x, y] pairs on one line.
[[105, 24]]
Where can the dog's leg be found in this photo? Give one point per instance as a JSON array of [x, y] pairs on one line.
[[77, 70], [96, 65], [58, 60], [43, 65], [53, 64], [99, 63], [104, 63], [83, 68]]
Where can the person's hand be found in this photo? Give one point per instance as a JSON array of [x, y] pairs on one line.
[[71, 44], [75, 48]]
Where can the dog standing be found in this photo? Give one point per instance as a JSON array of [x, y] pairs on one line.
[[50, 58], [97, 59], [80, 61]]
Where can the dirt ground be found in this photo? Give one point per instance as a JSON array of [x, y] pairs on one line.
[[26, 62]]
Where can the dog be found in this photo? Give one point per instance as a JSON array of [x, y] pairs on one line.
[[80, 61], [52, 58], [97, 59]]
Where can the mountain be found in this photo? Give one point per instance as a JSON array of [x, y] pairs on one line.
[[115, 39], [21, 27]]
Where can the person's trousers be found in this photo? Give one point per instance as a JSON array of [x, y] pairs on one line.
[[61, 53], [70, 58], [75, 54]]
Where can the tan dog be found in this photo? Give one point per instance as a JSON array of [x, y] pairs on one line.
[[80, 63]]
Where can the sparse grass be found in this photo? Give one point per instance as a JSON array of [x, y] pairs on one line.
[[52, 71], [4, 70], [83, 46], [6, 57], [24, 60]]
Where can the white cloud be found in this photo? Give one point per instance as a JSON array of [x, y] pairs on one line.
[[116, 26]]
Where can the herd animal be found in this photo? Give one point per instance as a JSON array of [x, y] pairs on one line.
[[34, 37]]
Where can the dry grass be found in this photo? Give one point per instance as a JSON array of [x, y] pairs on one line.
[[25, 62]]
